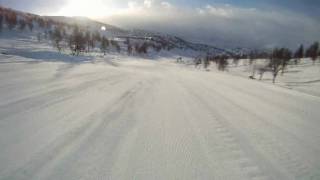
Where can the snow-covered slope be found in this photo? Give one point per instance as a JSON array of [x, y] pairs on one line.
[[304, 77], [121, 117]]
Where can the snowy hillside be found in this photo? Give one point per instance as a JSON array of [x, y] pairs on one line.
[[303, 77]]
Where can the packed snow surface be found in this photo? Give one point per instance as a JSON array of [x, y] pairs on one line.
[[128, 118]]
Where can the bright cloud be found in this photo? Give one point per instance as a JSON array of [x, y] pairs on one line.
[[89, 8], [166, 5], [148, 3]]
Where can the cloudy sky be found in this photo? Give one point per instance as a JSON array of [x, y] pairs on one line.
[[244, 23]]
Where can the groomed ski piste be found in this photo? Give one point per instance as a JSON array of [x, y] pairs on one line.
[[130, 117]]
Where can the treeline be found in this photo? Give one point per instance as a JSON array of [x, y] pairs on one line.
[[277, 59], [220, 60], [312, 52], [78, 40], [280, 58], [143, 46], [83, 41], [12, 19]]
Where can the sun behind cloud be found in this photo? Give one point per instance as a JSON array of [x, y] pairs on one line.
[[87, 8]]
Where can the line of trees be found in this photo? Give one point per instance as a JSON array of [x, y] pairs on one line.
[[10, 18], [313, 52], [279, 58], [220, 60], [80, 41], [20, 21]]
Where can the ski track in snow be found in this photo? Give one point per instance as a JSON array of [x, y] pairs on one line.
[[151, 120]]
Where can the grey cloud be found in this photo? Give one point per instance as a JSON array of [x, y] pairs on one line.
[[226, 25]]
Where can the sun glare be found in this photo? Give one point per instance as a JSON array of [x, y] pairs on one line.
[[88, 8]]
